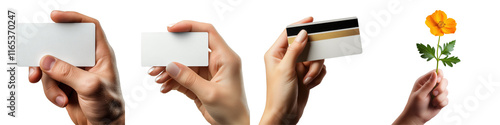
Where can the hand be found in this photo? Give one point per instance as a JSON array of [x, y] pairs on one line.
[[421, 106], [91, 95], [289, 81], [217, 89]]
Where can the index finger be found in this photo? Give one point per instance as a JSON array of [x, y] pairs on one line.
[[75, 17], [35, 74], [282, 41], [215, 41], [421, 80]]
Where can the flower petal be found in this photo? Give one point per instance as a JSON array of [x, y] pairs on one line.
[[439, 16], [430, 22], [450, 23], [448, 30], [436, 31]]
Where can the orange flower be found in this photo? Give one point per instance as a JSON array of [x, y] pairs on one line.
[[440, 24]]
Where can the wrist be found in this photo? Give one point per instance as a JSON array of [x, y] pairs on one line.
[[112, 112], [118, 121], [270, 117], [277, 116], [407, 119], [243, 120]]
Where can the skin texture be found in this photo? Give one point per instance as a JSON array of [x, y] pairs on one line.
[[91, 95], [421, 106], [289, 81], [217, 89]]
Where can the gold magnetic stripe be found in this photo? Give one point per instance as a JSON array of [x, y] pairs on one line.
[[328, 35]]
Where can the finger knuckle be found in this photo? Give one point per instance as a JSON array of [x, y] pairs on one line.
[[291, 49], [50, 88], [96, 22], [92, 85], [189, 79], [66, 71], [210, 26], [444, 81], [421, 96], [212, 97], [444, 103], [237, 58], [236, 61], [266, 55], [441, 89]]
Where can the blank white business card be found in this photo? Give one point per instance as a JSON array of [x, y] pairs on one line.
[[162, 48], [71, 42]]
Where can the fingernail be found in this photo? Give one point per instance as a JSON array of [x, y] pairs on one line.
[[158, 78], [435, 93], [172, 69], [31, 71], [162, 88], [151, 70], [170, 25], [307, 80], [439, 79], [301, 37], [48, 62], [175, 87], [60, 101], [55, 11]]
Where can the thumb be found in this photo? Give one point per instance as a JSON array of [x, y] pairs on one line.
[[296, 48], [430, 83], [188, 78], [66, 73]]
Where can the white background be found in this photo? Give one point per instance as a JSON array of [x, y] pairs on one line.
[[371, 88]]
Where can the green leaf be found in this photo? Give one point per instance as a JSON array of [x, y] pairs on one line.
[[448, 47], [449, 60], [426, 51]]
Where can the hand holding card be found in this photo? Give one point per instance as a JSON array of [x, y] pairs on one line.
[[289, 82], [217, 89], [91, 95]]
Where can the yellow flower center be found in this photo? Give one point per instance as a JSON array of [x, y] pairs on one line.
[[441, 24]]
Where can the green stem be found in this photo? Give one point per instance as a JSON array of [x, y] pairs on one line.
[[437, 65], [437, 53]]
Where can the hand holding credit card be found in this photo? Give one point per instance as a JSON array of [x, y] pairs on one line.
[[328, 39]]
